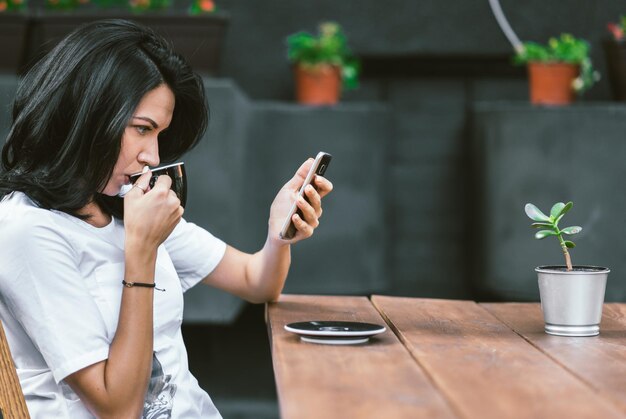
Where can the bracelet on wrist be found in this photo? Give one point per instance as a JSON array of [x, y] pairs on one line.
[[128, 284]]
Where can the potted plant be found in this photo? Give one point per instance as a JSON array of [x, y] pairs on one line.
[[558, 70], [323, 64], [13, 31], [615, 53], [571, 296]]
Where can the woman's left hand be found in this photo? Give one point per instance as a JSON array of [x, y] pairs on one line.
[[311, 210]]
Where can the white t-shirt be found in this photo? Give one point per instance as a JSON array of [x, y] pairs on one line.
[[60, 294]]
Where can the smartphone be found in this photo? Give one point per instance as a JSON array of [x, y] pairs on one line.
[[319, 166]]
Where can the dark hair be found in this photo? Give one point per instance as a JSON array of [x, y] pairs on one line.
[[72, 108]]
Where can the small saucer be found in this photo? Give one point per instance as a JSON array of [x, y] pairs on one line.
[[334, 332], [339, 340]]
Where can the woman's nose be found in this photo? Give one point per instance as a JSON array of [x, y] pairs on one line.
[[150, 155]]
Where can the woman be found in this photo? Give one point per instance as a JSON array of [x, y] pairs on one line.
[[89, 332]]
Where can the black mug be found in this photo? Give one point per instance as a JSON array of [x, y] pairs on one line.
[[176, 171]]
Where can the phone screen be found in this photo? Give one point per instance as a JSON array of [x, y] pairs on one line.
[[319, 166]]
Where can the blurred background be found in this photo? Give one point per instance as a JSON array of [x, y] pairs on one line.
[[434, 154]]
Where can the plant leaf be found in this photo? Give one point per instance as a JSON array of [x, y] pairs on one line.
[[571, 230], [535, 214], [556, 210], [541, 225], [569, 244], [566, 208], [544, 233]]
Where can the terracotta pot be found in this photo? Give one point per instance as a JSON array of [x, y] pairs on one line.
[[551, 83], [319, 85]]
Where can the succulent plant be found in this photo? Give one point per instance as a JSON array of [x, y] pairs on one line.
[[549, 226]]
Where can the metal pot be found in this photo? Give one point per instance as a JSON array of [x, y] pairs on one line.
[[572, 301]]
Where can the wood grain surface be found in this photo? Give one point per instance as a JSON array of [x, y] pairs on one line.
[[378, 379], [599, 361], [12, 404], [484, 369]]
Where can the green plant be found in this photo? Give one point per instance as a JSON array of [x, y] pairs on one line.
[[550, 226], [146, 5], [12, 5], [112, 4], [139, 6], [328, 47], [565, 49], [64, 4], [199, 7]]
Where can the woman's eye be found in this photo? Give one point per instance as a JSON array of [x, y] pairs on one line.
[[142, 129]]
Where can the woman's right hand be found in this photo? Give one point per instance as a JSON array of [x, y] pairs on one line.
[[150, 216]]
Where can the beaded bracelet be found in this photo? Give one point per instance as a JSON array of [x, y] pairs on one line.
[[141, 284]]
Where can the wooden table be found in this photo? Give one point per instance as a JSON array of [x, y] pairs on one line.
[[446, 359]]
